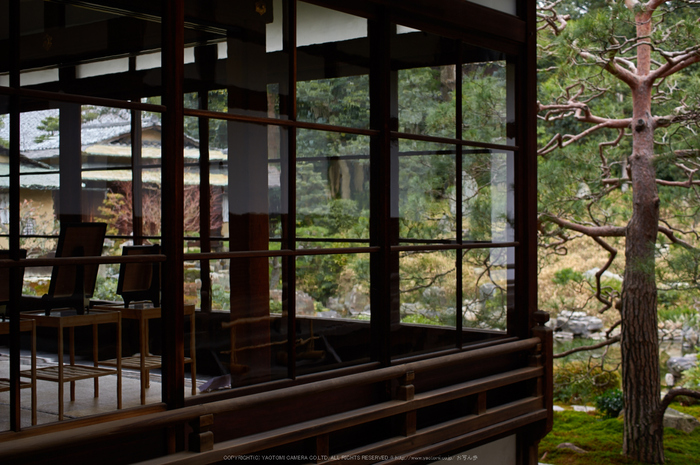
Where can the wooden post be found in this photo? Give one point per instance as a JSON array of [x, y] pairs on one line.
[[544, 359], [202, 438], [323, 448], [406, 392], [481, 403]]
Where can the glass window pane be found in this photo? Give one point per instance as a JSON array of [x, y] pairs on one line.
[[255, 176], [333, 311], [428, 303], [246, 330], [426, 191], [488, 286], [332, 185], [151, 202], [488, 212], [245, 71], [487, 95], [425, 64], [332, 67], [55, 33]]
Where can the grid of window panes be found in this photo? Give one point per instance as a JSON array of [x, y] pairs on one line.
[[278, 149]]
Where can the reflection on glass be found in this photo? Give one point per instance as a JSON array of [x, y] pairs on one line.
[[488, 287], [37, 213], [249, 68], [332, 175], [4, 172], [426, 101], [151, 205], [246, 328], [58, 31], [427, 304], [484, 98], [426, 82], [342, 101], [39, 140], [428, 288], [333, 67], [254, 176], [426, 191], [487, 196], [333, 311]]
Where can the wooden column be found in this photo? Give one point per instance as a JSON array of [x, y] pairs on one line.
[[246, 70], [172, 226]]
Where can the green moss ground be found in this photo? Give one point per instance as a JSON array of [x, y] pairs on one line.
[[602, 438]]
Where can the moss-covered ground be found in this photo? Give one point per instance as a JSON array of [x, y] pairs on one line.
[[602, 439]]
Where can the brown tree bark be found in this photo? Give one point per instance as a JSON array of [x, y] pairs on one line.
[[632, 64], [640, 343]]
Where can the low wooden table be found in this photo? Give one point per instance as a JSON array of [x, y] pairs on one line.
[[144, 362], [24, 325], [68, 318]]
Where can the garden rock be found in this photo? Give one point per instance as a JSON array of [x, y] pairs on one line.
[[590, 274], [573, 447], [681, 421], [305, 304], [436, 295], [677, 365], [356, 300], [578, 323]]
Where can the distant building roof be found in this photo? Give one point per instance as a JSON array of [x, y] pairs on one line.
[[107, 136]]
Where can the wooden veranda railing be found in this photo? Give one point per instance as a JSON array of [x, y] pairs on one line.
[[486, 419]]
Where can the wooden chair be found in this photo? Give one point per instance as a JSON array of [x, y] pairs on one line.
[[5, 281], [140, 281], [72, 285]]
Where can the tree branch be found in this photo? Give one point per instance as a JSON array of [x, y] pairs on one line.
[[672, 237], [598, 287], [668, 398], [672, 66], [604, 343], [592, 231]]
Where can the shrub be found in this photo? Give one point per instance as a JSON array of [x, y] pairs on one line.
[[565, 275], [610, 403], [578, 382]]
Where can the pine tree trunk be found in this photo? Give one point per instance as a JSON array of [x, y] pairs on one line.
[[639, 343]]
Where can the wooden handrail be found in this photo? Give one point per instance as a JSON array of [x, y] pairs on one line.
[[101, 260], [117, 428]]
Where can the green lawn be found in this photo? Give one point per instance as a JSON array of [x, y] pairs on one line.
[[602, 439]]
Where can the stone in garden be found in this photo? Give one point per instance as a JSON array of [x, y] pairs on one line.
[[681, 421], [578, 323], [677, 365], [590, 274], [670, 379], [594, 324], [305, 304], [356, 300], [436, 294], [583, 408], [573, 447]]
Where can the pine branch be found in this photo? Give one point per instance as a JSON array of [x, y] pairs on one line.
[[604, 343]]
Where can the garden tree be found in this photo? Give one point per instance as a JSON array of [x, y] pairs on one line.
[[620, 103], [117, 209]]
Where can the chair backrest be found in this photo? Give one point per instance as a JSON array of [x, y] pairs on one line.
[[5, 275], [77, 240], [140, 281]]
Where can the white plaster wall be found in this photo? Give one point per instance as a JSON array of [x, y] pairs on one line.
[[506, 6]]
